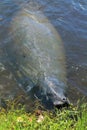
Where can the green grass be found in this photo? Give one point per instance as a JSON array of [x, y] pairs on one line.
[[73, 118]]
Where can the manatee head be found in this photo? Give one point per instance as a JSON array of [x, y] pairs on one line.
[[54, 91]]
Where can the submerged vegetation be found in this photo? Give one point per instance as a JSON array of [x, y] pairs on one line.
[[72, 118]]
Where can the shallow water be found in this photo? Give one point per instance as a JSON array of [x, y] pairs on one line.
[[69, 17]]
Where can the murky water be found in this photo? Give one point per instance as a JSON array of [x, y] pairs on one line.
[[69, 17]]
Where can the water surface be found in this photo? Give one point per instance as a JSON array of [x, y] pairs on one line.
[[69, 17]]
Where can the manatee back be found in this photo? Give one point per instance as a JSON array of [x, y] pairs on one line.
[[35, 47]]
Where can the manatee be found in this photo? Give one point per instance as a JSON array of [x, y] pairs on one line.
[[37, 57]]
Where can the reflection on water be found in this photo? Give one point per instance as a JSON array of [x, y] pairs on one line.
[[70, 19]]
